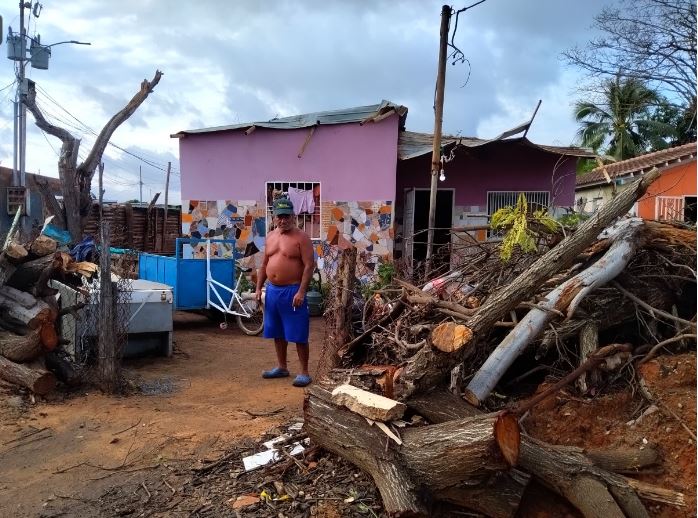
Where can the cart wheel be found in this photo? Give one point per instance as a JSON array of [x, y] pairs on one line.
[[223, 325]]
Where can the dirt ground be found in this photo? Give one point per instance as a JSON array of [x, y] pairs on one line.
[[207, 395]]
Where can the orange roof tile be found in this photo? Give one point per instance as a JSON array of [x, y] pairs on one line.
[[639, 164]]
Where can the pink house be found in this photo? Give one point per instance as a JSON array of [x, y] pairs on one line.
[[360, 180], [343, 163]]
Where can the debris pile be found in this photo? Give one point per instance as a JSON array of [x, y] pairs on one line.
[[30, 312], [432, 399]]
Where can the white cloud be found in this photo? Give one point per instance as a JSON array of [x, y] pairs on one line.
[[232, 62]]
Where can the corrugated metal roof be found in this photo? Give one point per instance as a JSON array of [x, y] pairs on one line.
[[639, 164], [360, 114], [411, 144]]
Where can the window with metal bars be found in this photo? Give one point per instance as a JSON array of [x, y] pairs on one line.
[[305, 196], [536, 200]]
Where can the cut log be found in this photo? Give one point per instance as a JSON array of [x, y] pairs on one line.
[[7, 269], [429, 367], [449, 336], [43, 245], [49, 337], [588, 343], [34, 316], [566, 471], [627, 239], [38, 381], [27, 274], [20, 297], [497, 496], [431, 459], [15, 251], [367, 404], [20, 348]]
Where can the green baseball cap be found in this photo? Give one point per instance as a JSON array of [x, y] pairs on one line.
[[283, 206]]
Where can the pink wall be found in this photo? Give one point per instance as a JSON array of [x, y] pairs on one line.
[[354, 162], [495, 167]]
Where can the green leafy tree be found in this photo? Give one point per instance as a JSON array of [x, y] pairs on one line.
[[682, 120], [621, 123]]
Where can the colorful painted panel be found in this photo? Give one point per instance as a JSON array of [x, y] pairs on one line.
[[242, 220], [367, 225]]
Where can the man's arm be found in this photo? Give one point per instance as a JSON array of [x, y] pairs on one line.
[[262, 274], [308, 258]]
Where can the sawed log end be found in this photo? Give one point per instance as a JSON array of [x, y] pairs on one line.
[[508, 437], [449, 336]]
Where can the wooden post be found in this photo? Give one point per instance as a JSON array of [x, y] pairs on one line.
[[339, 318], [438, 121], [129, 224], [148, 213], [107, 344], [164, 224]]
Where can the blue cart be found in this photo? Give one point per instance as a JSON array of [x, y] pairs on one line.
[[188, 276], [207, 283]]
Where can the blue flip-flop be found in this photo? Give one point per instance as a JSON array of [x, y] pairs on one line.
[[302, 381], [276, 372]]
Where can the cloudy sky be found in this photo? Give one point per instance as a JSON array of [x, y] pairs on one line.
[[228, 62]]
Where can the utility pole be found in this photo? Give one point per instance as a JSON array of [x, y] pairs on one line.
[[167, 189], [438, 121], [39, 58], [140, 182]]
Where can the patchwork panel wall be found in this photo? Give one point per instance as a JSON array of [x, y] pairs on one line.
[[367, 225], [242, 220]]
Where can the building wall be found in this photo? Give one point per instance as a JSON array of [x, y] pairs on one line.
[[224, 179], [499, 166], [678, 180], [591, 199], [355, 162]]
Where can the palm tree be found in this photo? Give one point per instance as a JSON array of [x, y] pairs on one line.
[[622, 120]]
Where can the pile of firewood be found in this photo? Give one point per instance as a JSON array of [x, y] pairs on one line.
[[408, 401], [30, 311]]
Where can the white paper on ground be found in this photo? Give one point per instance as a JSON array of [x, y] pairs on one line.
[[268, 457]]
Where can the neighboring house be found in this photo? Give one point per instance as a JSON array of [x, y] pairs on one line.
[[358, 170], [481, 176], [10, 198], [671, 197]]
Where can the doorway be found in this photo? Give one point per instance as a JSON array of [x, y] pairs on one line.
[[417, 221]]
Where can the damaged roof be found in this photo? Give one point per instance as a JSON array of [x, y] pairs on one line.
[[639, 164], [360, 114], [412, 144]]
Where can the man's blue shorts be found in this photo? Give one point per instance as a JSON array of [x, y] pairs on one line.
[[280, 319]]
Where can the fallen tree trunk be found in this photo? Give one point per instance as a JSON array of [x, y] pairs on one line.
[[20, 348], [429, 367], [564, 298], [430, 459], [592, 489], [39, 381]]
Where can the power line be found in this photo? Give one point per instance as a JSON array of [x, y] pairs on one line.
[[155, 165]]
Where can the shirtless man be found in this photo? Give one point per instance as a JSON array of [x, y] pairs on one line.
[[288, 265]]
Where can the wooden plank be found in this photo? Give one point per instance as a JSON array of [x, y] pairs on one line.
[[367, 404]]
